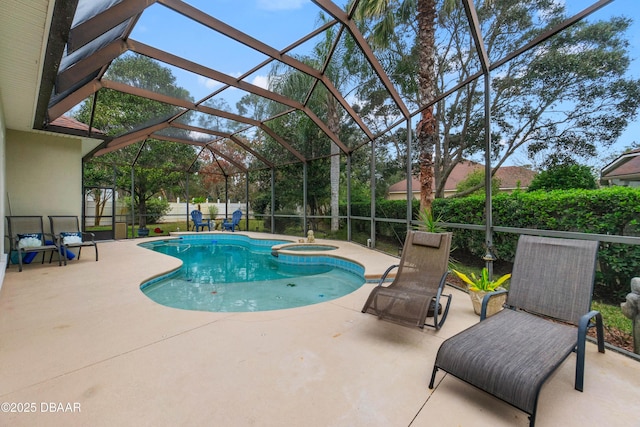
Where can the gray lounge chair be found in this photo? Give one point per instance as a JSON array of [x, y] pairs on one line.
[[416, 291], [27, 236], [66, 228], [512, 353]]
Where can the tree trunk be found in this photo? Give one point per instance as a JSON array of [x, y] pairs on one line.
[[427, 129], [97, 198], [142, 212], [334, 125]]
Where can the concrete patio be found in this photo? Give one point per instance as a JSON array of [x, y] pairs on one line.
[[87, 348]]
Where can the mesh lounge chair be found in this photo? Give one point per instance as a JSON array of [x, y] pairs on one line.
[[416, 291], [235, 221], [26, 236], [198, 223], [512, 353], [66, 228]]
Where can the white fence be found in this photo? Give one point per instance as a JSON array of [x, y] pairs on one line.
[[178, 211]]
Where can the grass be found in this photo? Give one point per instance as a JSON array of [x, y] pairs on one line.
[[613, 317]]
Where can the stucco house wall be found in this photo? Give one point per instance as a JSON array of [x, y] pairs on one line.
[[3, 171], [43, 175]]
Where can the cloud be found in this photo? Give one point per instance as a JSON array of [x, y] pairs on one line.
[[261, 81], [280, 4], [208, 83], [199, 136]]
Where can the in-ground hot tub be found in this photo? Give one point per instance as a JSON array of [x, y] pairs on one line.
[[308, 247], [302, 247]]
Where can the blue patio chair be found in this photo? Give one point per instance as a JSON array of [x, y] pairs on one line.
[[198, 222], [235, 221]]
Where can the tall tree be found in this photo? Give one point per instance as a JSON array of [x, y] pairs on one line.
[[385, 13], [297, 85], [561, 100], [158, 164]]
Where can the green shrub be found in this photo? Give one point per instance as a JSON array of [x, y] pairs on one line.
[[612, 211], [564, 177], [607, 211], [213, 211], [156, 209], [290, 223], [474, 178]]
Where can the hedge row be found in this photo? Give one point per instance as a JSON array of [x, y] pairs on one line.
[[613, 210]]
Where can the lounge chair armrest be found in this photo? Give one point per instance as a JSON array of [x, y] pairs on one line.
[[13, 242], [88, 233], [54, 237], [485, 302], [384, 276], [585, 323], [443, 280]]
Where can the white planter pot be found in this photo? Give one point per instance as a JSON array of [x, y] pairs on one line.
[[495, 303]]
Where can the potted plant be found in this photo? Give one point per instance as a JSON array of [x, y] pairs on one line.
[[143, 231], [479, 286], [428, 222], [213, 213]]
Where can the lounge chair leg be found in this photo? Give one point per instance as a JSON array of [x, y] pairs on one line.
[[433, 377], [600, 332]]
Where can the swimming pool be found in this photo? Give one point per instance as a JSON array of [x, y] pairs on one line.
[[235, 273]]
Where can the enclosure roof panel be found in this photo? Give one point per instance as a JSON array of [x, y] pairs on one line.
[[224, 61]]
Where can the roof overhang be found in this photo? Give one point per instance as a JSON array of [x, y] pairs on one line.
[[625, 168], [24, 31]]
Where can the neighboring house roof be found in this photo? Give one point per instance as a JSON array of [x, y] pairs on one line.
[[71, 126], [625, 168], [511, 177]]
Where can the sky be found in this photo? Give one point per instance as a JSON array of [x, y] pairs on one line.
[[280, 22], [253, 17]]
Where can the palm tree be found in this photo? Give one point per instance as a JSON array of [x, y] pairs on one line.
[[386, 12], [297, 85]]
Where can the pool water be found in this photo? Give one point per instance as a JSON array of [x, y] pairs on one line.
[[228, 276]]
